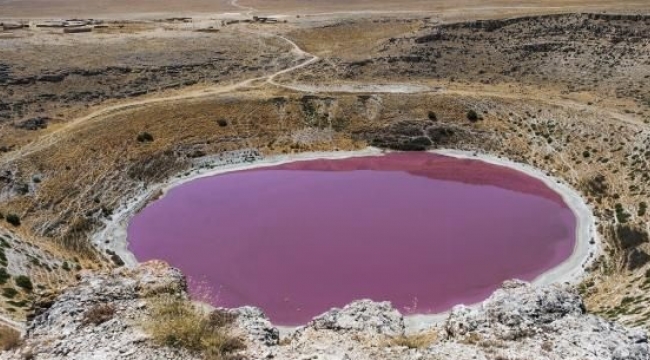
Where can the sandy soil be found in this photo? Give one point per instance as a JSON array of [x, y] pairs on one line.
[[114, 236], [110, 8], [125, 9]]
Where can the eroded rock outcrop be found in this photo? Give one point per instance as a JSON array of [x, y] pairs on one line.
[[521, 321], [518, 321]]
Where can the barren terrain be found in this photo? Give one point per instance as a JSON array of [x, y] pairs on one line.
[[90, 121]]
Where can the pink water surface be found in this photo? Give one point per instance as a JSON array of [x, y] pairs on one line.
[[424, 231]]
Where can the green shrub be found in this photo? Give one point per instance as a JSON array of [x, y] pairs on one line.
[[4, 276], [144, 137], [621, 216], [472, 116], [643, 207], [3, 257], [9, 292], [24, 282], [13, 219]]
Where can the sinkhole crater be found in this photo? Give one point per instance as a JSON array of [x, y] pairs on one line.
[[423, 231]]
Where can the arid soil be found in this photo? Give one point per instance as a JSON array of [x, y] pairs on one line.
[[108, 8], [108, 113]]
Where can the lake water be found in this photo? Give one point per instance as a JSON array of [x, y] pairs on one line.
[[423, 231]]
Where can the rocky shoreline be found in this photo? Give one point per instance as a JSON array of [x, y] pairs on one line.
[[519, 321]]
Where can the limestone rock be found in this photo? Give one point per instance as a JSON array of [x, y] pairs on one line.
[[518, 321], [363, 316], [256, 325], [539, 323], [58, 329]]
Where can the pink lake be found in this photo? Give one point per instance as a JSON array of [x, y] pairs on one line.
[[423, 231]]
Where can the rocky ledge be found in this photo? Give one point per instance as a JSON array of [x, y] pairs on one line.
[[517, 322]]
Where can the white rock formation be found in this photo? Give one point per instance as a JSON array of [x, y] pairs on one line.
[[517, 322]]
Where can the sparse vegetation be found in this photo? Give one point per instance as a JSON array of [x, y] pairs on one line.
[[415, 341], [177, 322]]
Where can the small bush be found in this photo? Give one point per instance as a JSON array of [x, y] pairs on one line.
[[9, 292], [117, 260], [9, 339], [472, 116], [144, 137], [4, 276], [432, 116], [176, 322], [98, 314], [24, 282], [21, 303], [643, 207], [222, 122], [13, 219]]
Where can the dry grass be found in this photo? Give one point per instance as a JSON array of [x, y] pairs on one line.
[[177, 322], [414, 341], [9, 338], [351, 40], [98, 314]]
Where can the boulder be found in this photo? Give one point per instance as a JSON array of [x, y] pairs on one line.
[[363, 316]]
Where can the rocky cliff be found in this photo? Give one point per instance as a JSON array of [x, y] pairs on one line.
[[517, 322]]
